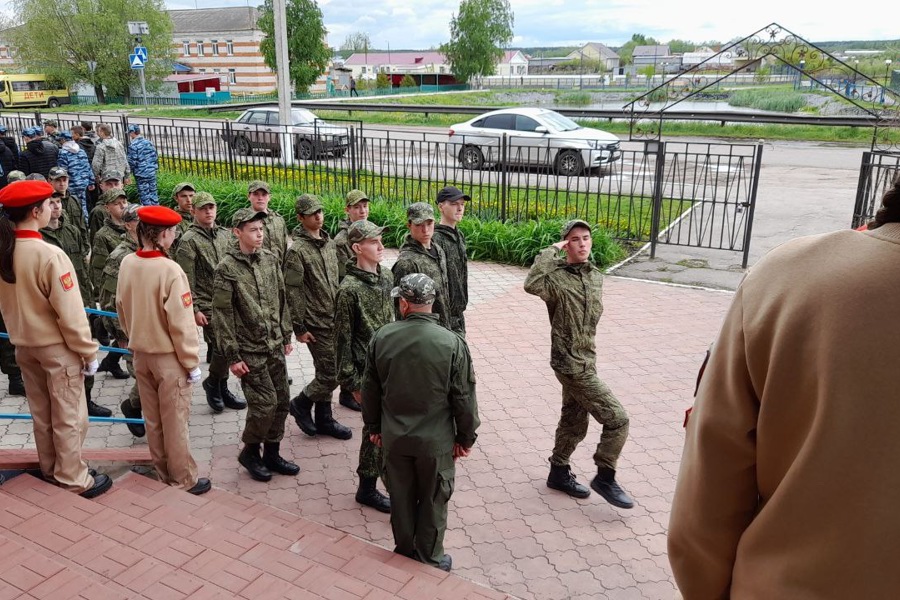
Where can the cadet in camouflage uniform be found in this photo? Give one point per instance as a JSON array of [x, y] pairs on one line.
[[418, 394], [109, 154], [144, 164], [572, 289], [200, 250], [72, 207], [363, 305], [109, 181], [311, 284], [252, 322], [183, 195], [452, 206], [419, 255], [276, 229]]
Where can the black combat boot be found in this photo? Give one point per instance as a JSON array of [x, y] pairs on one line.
[[561, 479], [102, 483], [250, 460], [348, 401], [301, 409], [99, 330], [446, 563], [604, 483], [202, 486], [16, 385], [273, 460], [213, 395], [326, 425], [230, 400], [368, 495], [95, 410], [136, 429], [110, 364]]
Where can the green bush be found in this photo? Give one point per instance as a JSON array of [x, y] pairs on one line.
[[382, 81], [573, 98], [408, 81], [786, 101]]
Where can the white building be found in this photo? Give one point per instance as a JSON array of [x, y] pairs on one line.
[[514, 63]]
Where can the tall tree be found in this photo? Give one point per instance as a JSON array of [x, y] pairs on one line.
[[477, 37], [60, 38], [307, 50], [627, 50], [358, 41]]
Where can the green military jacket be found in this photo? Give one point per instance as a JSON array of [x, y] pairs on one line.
[[342, 247], [311, 280], [276, 235], [573, 297], [453, 243], [96, 220], [110, 278], [199, 252], [70, 240], [249, 308], [362, 306], [75, 216], [187, 219], [418, 388], [105, 241], [414, 258]]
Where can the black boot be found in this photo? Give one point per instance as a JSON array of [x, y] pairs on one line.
[[102, 483], [273, 460], [326, 425], [561, 479], [250, 460], [301, 409], [136, 429], [95, 410], [16, 385], [110, 364], [348, 401], [605, 484], [99, 330], [368, 495], [230, 400], [213, 396]]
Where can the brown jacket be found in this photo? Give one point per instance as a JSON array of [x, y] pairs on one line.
[[44, 306], [155, 307], [789, 484]]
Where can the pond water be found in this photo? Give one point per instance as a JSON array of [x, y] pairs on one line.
[[685, 106]]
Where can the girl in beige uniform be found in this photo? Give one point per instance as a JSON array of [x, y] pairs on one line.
[[44, 314], [153, 299]]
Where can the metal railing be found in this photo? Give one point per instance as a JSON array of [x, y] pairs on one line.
[[876, 176]]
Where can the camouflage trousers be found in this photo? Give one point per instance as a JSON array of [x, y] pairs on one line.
[[370, 456], [147, 192], [218, 366], [8, 364], [324, 358], [266, 389], [134, 396], [585, 396], [458, 324]]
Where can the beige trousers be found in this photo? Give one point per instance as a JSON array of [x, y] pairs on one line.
[[166, 403], [54, 386]]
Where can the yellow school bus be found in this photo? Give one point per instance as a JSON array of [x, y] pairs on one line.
[[17, 90]]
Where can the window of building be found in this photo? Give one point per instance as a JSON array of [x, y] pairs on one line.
[[215, 47], [203, 70], [186, 47], [232, 78], [200, 50], [362, 70], [8, 52], [229, 47]]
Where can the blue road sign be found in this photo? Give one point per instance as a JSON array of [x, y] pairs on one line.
[[135, 61], [142, 52]]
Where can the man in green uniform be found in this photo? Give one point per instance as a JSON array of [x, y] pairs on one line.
[[363, 305], [183, 195], [572, 288], [252, 322], [276, 229], [311, 284], [109, 181], [419, 254], [202, 247], [452, 206], [418, 394], [59, 179]]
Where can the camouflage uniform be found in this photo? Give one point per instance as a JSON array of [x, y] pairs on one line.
[[276, 235], [572, 294], [75, 162], [107, 296], [452, 241], [96, 221], [414, 258], [342, 248], [252, 323], [76, 216], [106, 240], [144, 164], [110, 156]]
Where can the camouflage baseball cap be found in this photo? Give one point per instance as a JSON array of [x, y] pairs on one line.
[[112, 174], [570, 225], [56, 173], [363, 230], [51, 122], [184, 185], [415, 288], [355, 197], [110, 196], [203, 199], [308, 204], [419, 212], [131, 213], [258, 185], [245, 215], [15, 176]]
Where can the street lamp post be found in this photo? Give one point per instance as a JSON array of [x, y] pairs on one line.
[[887, 73]]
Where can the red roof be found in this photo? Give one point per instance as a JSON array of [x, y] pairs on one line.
[[396, 58]]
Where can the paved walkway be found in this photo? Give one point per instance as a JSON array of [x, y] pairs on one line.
[[506, 529]]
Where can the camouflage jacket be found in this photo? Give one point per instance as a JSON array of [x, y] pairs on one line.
[[75, 216], [109, 155], [69, 238], [573, 297], [249, 309], [142, 159], [276, 235], [75, 161], [453, 243], [342, 247], [362, 306], [414, 258], [108, 237], [187, 219], [96, 220], [311, 280], [199, 253], [110, 279]]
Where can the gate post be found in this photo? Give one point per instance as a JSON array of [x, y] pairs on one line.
[[504, 155], [751, 208], [658, 148], [353, 182], [865, 174]]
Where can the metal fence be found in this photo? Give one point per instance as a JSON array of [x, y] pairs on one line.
[[876, 174]]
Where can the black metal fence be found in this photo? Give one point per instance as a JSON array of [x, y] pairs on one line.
[[876, 174]]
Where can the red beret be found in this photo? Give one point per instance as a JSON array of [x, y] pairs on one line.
[[23, 193], [158, 215]]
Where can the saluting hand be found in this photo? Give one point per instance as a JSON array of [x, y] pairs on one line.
[[200, 319], [561, 245], [239, 369]]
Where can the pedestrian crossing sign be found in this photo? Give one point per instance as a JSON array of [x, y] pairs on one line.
[[135, 61]]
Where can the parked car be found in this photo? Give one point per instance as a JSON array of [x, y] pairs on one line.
[[536, 137], [259, 128]]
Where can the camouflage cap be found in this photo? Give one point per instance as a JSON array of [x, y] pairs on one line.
[[258, 185], [363, 230], [203, 199], [416, 288], [184, 185], [34, 177], [355, 197], [570, 225], [245, 215], [51, 122], [112, 174], [15, 176], [419, 212], [308, 204], [131, 213], [110, 196], [56, 173]]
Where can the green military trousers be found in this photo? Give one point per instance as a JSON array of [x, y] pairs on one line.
[[134, 396], [324, 358], [266, 389], [218, 366], [420, 487], [370, 459], [584, 395]]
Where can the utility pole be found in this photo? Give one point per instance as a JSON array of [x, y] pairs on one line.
[[283, 78]]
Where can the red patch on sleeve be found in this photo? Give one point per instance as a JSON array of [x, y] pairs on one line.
[[67, 281], [187, 299]]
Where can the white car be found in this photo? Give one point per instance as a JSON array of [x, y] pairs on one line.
[[259, 128], [536, 137]]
